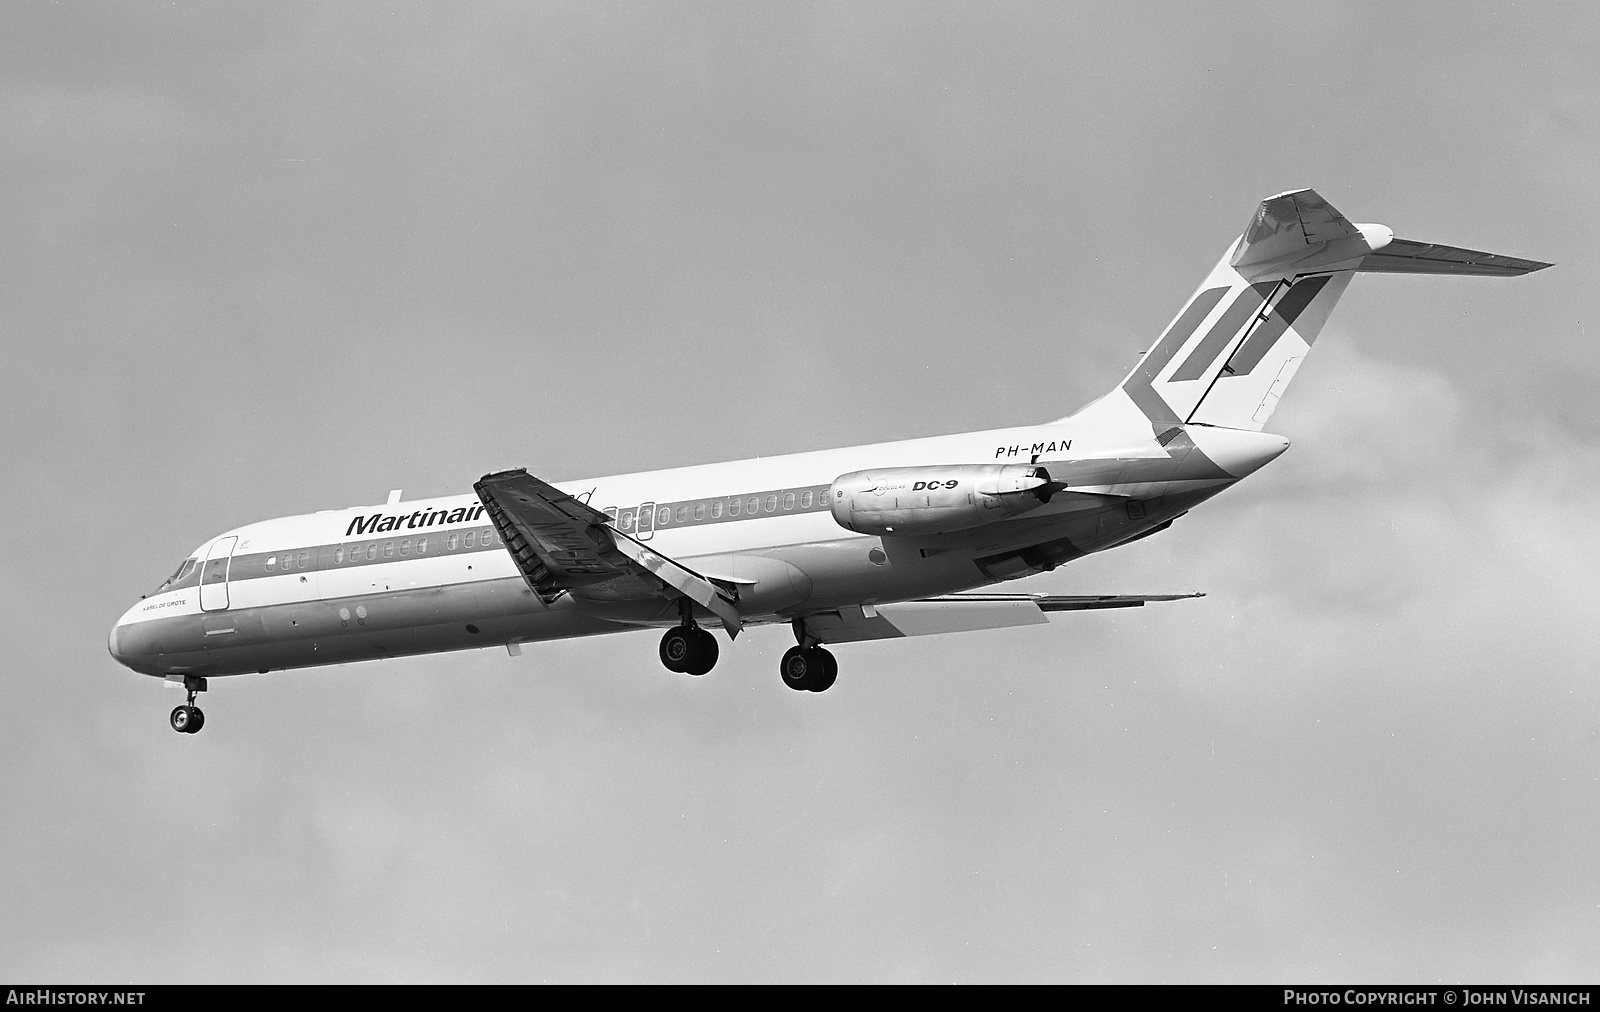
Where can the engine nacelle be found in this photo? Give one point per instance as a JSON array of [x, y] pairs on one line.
[[937, 500]]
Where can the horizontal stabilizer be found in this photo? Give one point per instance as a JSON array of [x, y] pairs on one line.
[[1404, 256], [960, 613]]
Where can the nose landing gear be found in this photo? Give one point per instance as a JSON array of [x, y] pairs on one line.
[[189, 719]]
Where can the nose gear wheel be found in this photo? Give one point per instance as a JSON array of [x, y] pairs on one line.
[[188, 718]]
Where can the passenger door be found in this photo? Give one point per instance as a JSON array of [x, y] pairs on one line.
[[214, 575]]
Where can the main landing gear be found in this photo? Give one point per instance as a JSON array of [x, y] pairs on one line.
[[687, 648], [808, 669], [189, 719]]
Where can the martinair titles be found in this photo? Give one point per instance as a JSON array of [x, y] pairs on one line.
[[380, 524]]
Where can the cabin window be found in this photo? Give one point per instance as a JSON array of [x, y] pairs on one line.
[[805, 500], [683, 514], [469, 539], [338, 555], [788, 500], [422, 545], [772, 503], [486, 537], [699, 511], [735, 507], [754, 505], [450, 542], [305, 559], [716, 510], [405, 548], [388, 549], [611, 513]]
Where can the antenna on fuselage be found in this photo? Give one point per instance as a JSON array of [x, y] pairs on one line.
[[394, 496]]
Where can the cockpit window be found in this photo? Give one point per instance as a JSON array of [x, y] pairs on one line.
[[186, 575]]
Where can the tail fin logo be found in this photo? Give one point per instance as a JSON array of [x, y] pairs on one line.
[[1240, 338], [1140, 383], [1288, 309], [1223, 333]]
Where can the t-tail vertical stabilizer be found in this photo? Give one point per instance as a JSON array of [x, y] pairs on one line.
[[1233, 349]]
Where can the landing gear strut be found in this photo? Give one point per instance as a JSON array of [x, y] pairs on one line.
[[687, 648], [189, 719]]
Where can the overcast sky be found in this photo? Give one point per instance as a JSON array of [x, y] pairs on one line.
[[262, 260]]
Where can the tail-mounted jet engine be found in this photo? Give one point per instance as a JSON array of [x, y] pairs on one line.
[[938, 500]]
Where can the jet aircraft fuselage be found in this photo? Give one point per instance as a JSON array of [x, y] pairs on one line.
[[429, 575], [865, 542]]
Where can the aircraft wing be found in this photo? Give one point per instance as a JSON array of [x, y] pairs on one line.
[[560, 544], [961, 613], [1083, 602]]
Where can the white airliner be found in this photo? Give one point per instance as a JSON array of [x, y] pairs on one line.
[[865, 542]]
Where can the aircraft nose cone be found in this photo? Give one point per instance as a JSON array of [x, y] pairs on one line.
[[125, 644], [1237, 451], [114, 643]]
